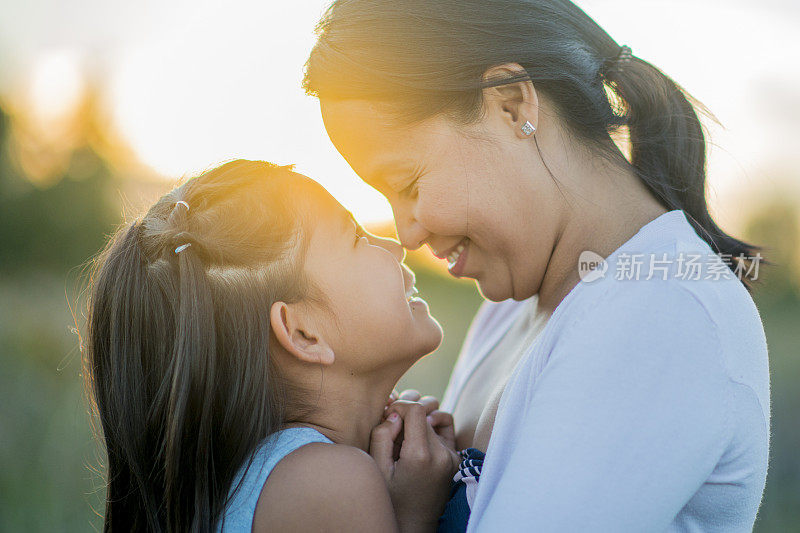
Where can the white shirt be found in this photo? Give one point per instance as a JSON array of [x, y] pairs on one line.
[[642, 406], [489, 378]]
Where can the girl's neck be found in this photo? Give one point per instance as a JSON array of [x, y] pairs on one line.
[[346, 410]]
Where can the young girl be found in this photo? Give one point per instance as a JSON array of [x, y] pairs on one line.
[[247, 327]]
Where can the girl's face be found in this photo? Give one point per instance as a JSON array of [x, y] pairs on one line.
[[471, 194], [371, 294]]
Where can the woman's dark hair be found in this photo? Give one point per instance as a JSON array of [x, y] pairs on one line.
[[429, 57], [177, 350]]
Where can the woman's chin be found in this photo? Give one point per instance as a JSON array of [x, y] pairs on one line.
[[493, 291]]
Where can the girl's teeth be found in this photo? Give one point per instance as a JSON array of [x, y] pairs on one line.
[[411, 293], [452, 259]]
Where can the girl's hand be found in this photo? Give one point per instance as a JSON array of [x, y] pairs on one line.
[[441, 421], [419, 476]]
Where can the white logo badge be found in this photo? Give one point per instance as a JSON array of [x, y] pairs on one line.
[[591, 266]]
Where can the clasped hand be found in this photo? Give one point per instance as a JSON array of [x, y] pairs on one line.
[[414, 448]]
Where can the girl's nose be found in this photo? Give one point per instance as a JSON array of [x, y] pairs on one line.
[[391, 245]]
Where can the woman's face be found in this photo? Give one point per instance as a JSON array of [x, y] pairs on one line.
[[470, 193], [371, 293]]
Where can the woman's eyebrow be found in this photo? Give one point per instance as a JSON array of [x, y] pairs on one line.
[[385, 169]]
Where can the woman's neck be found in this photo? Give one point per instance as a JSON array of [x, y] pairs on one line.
[[613, 208]]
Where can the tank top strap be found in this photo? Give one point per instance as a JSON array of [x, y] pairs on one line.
[[238, 514]]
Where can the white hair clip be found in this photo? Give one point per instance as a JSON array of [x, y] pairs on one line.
[[182, 203], [182, 247]]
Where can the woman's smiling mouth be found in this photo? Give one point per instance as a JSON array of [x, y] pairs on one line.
[[452, 257], [457, 257]]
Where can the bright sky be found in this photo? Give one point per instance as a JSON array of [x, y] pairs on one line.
[[193, 83]]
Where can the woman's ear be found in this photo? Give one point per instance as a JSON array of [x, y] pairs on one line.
[[516, 103], [294, 331]]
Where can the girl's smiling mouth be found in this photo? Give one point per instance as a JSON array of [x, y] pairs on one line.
[[411, 293], [409, 281]]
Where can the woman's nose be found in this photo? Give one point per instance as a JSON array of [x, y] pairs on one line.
[[411, 234]]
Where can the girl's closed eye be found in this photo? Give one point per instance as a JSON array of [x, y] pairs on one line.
[[359, 235]]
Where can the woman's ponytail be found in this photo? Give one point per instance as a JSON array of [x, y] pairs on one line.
[[668, 151]]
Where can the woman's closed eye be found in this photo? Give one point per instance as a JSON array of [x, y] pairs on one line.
[[411, 190]]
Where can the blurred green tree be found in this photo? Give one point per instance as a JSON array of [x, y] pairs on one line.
[[57, 225], [776, 227]]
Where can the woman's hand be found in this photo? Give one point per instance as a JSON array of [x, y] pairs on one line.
[[418, 475]]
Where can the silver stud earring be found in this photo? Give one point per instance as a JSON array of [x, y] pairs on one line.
[[528, 128]]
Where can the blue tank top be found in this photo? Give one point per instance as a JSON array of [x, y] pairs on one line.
[[238, 515]]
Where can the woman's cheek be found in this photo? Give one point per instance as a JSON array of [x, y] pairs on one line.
[[443, 214]]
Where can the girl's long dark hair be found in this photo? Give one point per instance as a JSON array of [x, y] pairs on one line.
[[426, 57], [177, 351]]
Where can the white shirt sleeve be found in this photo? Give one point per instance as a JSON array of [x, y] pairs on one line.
[[626, 421]]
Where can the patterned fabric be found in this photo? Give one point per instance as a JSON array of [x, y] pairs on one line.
[[462, 492]]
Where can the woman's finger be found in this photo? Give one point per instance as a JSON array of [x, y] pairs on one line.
[[430, 403], [442, 423], [410, 395], [440, 419], [381, 446], [443, 457]]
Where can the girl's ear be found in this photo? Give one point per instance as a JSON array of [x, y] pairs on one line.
[[295, 332]]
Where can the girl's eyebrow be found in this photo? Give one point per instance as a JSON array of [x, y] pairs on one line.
[[348, 219]]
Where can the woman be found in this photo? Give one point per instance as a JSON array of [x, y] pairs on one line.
[[635, 400], [243, 338]]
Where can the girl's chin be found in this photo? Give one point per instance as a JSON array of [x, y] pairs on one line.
[[426, 338], [434, 337]]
